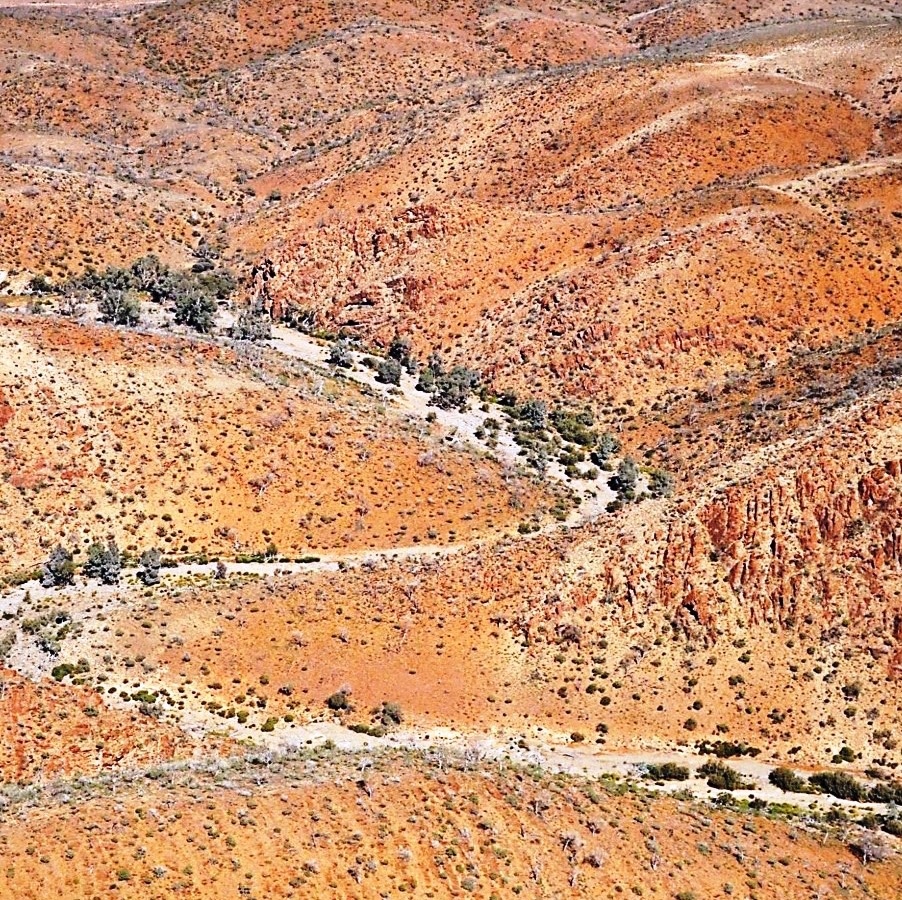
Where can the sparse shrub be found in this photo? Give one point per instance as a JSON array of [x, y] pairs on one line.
[[63, 670], [727, 749], [660, 483], [668, 771], [252, 325], [606, 446], [389, 714], [624, 482], [339, 701], [871, 846]]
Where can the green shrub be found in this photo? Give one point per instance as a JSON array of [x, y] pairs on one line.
[[787, 780], [339, 701], [668, 771], [839, 784], [723, 777]]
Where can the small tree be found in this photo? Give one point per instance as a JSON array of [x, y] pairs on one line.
[[452, 389], [150, 562], [534, 414], [426, 381], [59, 570], [195, 308], [340, 354], [72, 302], [104, 562], [389, 371], [40, 285], [401, 350], [252, 325], [606, 447], [626, 477], [151, 277], [119, 306]]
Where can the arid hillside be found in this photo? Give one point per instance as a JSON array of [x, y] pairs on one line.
[[451, 449], [613, 232], [185, 446], [315, 826]]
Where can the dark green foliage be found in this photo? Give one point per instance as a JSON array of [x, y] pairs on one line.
[[575, 426], [195, 308], [150, 563], [40, 285], [220, 285], [533, 414], [786, 780], [65, 669], [401, 350], [667, 772], [426, 381], [846, 754], [890, 792], [839, 784], [59, 569], [452, 390], [118, 306], [721, 776], [371, 730], [119, 291], [339, 701], [388, 371], [151, 277], [727, 749], [104, 562]]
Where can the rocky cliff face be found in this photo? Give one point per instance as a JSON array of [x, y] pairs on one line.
[[361, 272], [809, 535]]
